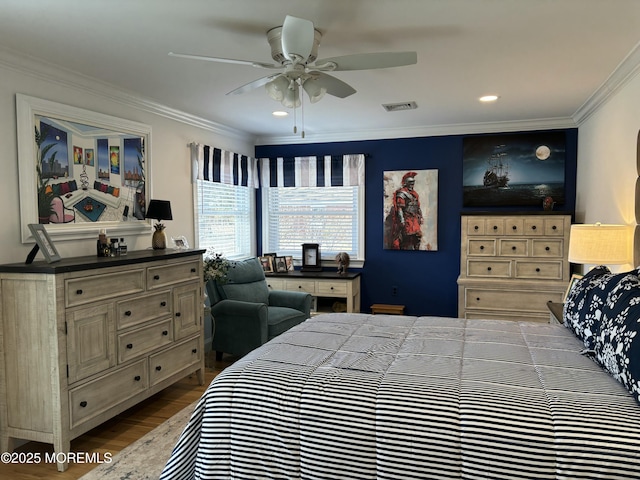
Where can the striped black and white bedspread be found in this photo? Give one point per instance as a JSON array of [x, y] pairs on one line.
[[354, 396]]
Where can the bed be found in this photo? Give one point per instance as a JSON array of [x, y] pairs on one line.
[[356, 396]]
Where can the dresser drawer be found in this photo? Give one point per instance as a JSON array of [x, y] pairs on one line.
[[547, 247], [514, 226], [164, 275], [483, 246], [142, 309], [165, 364], [275, 283], [511, 247], [331, 288], [554, 226], [80, 291], [135, 343], [489, 268], [97, 396], [534, 226], [475, 226], [509, 300], [538, 270], [308, 286]]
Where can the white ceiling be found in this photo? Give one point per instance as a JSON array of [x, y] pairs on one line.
[[544, 58]]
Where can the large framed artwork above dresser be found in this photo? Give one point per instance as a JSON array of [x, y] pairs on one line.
[[512, 265], [85, 338]]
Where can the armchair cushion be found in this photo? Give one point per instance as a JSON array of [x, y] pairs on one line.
[[245, 281]]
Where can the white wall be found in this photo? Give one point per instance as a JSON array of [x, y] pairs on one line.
[[607, 152], [170, 165]]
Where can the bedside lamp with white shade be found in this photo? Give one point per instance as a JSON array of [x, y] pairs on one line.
[[600, 244]]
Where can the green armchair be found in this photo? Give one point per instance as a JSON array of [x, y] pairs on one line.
[[247, 314]]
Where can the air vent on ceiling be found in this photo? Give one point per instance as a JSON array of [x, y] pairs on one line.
[[395, 107]]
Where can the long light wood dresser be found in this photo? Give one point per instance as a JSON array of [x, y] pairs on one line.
[[86, 338], [512, 265]]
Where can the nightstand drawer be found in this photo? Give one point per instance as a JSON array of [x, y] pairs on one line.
[[97, 396], [143, 340], [275, 283], [80, 291], [142, 309]]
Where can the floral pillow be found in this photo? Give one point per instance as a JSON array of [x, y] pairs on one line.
[[582, 311], [617, 342]]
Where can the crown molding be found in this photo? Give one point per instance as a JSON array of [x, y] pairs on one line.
[[422, 131], [623, 74], [47, 72]]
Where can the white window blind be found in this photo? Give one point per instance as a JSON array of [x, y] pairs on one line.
[[330, 216], [224, 218]]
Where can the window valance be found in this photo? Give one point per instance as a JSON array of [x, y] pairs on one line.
[[320, 171], [217, 165]]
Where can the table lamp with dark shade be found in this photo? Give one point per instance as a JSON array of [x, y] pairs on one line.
[[159, 210]]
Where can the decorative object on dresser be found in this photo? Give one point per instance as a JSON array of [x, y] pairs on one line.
[[311, 257], [44, 243], [159, 210], [343, 260], [512, 265], [86, 338], [326, 287], [598, 244]]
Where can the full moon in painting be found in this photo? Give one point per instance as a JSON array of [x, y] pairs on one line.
[[543, 152]]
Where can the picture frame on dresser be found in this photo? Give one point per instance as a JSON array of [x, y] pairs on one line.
[[574, 279], [107, 190], [43, 243]]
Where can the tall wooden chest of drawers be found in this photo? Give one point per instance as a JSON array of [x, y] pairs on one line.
[[83, 339], [512, 265]]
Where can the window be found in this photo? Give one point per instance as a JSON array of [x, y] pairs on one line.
[[330, 216], [225, 218]]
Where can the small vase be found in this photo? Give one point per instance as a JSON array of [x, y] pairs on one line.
[[159, 239]]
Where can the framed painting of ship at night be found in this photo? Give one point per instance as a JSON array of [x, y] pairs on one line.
[[513, 169]]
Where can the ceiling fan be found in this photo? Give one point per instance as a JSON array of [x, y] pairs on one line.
[[294, 45]]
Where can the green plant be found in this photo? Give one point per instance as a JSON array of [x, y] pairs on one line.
[[44, 197], [215, 267]]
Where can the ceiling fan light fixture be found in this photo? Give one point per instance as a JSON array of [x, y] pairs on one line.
[[277, 88], [292, 96], [315, 91]]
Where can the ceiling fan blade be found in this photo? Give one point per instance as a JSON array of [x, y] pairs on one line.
[[252, 85], [225, 60], [368, 61], [297, 38], [334, 86]]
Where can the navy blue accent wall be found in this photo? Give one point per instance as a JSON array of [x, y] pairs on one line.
[[425, 282]]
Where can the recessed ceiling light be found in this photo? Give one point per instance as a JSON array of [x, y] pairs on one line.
[[280, 113], [489, 98]]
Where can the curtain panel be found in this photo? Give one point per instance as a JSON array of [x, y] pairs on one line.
[[217, 165], [321, 171]]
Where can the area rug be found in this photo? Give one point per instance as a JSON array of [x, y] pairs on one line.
[[145, 458]]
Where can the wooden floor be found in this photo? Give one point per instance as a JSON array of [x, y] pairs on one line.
[[115, 434]]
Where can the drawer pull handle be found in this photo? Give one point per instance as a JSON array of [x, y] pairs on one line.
[[195, 350], [537, 269], [137, 378], [477, 299], [165, 333], [163, 304], [158, 368], [193, 270], [83, 404], [488, 269], [481, 247], [128, 313], [156, 277], [331, 288], [178, 314], [534, 227], [515, 227], [476, 227], [299, 286], [547, 248], [129, 346], [513, 248], [495, 227], [554, 228], [79, 292]]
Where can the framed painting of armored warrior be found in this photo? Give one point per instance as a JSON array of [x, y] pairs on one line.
[[411, 210]]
